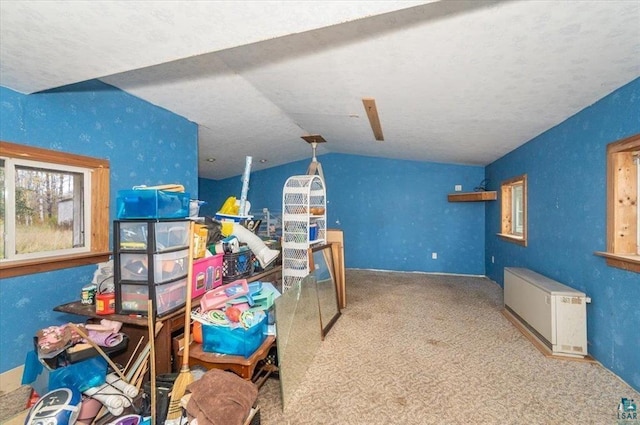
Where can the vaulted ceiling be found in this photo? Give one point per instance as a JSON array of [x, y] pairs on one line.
[[454, 81]]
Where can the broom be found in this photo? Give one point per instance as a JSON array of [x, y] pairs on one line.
[[152, 352], [185, 377]]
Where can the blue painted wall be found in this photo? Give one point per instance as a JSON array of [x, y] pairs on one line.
[[145, 144], [566, 171], [394, 213]]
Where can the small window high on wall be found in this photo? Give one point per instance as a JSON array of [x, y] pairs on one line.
[[623, 193], [514, 210]]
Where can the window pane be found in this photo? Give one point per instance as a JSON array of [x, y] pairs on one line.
[[49, 210], [518, 209], [513, 214]]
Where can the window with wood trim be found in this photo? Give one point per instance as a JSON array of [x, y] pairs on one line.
[[54, 211], [513, 194], [623, 193]]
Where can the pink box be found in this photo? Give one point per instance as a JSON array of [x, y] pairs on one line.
[[207, 274]]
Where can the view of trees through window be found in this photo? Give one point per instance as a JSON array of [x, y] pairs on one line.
[[44, 211]]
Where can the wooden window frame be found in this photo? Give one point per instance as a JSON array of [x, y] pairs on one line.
[[99, 212], [622, 205], [506, 207]]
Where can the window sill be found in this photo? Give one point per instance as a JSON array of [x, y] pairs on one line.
[[513, 239], [25, 267], [627, 262]]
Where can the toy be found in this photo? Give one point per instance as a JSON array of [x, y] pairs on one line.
[[253, 288], [233, 314], [57, 407], [212, 300]]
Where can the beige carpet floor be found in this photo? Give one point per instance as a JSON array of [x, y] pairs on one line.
[[415, 348]]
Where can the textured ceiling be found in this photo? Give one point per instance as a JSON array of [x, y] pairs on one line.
[[454, 81]]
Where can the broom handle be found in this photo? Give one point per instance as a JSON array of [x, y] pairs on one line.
[[142, 357], [126, 367], [187, 311], [152, 338]]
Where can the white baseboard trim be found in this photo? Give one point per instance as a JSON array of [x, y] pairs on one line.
[[420, 272]]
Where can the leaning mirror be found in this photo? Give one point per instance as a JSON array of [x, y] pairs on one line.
[[321, 266], [297, 318]]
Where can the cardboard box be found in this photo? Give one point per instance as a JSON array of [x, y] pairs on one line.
[[200, 238]]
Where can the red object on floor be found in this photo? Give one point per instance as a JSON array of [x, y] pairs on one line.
[[33, 399]]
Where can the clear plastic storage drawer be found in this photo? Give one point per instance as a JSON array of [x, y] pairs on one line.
[[169, 297], [134, 298], [171, 235], [134, 267], [170, 265], [133, 235]]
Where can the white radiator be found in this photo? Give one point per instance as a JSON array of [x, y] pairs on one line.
[[555, 313]]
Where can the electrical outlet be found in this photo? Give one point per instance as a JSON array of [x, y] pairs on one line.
[[458, 188], [434, 255], [493, 260]]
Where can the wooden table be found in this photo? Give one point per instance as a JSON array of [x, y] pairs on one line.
[[244, 367], [173, 323]]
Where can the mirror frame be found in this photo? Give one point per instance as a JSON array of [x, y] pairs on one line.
[[327, 252]]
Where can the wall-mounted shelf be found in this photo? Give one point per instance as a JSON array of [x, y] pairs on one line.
[[473, 196]]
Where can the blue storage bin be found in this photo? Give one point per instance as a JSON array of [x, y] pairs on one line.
[[236, 342], [152, 203], [81, 376]]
